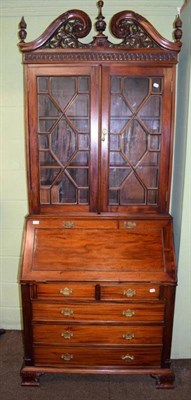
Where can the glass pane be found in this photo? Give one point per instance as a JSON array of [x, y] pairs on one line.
[[134, 142], [79, 107], [113, 197], [153, 125], [116, 159], [83, 84], [43, 141], [152, 196], [46, 125], [84, 196], [115, 84], [79, 176], [117, 125], [154, 142], [63, 141], [42, 84], [149, 176], [63, 89], [114, 142], [135, 90], [119, 107], [117, 176], [81, 158], [152, 108], [132, 192], [48, 175], [83, 142], [66, 190], [156, 85], [46, 107], [45, 158], [81, 125], [63, 113]]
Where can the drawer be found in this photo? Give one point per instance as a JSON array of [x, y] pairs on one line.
[[65, 290], [97, 357], [110, 312], [97, 334], [130, 291]]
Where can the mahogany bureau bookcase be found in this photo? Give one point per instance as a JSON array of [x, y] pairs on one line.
[[98, 273]]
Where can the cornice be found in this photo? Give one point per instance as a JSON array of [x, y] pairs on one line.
[[15, 8]]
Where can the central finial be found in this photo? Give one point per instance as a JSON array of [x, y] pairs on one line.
[[100, 24]]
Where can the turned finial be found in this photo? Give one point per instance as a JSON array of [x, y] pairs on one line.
[[22, 30], [100, 24], [178, 26]]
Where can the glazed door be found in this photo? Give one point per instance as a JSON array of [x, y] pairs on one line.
[[135, 139], [63, 138]]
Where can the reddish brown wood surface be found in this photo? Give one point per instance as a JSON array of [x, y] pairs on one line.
[[142, 357], [98, 312], [97, 334]]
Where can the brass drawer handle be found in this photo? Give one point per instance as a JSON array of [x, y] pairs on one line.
[[128, 336], [127, 357], [66, 357], [129, 293], [130, 224], [67, 312], [69, 224], [128, 313], [66, 291], [67, 335]]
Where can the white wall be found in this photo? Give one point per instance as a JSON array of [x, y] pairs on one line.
[[181, 195], [13, 208]]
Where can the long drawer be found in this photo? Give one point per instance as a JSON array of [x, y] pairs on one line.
[[97, 311], [97, 357], [96, 334]]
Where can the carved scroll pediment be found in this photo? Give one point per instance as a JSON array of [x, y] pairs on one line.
[[134, 36], [66, 36], [134, 31]]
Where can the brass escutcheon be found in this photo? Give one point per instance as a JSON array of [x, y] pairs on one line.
[[69, 224], [67, 312], [129, 292], [67, 335], [130, 224], [66, 291], [128, 336], [66, 357], [128, 313]]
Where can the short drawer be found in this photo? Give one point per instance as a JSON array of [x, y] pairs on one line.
[[97, 334], [130, 291], [110, 312], [97, 357], [65, 290]]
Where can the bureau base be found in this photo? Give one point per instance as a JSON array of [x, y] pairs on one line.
[[164, 377]]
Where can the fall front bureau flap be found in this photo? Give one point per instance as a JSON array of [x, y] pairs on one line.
[[94, 249]]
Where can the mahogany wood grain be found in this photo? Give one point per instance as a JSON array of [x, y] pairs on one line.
[[140, 356], [98, 311], [97, 334]]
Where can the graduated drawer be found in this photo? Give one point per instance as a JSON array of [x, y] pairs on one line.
[[130, 291], [97, 357], [110, 312], [97, 334], [66, 290]]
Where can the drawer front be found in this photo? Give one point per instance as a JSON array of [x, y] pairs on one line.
[[97, 357], [130, 291], [65, 290], [74, 334], [98, 312]]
